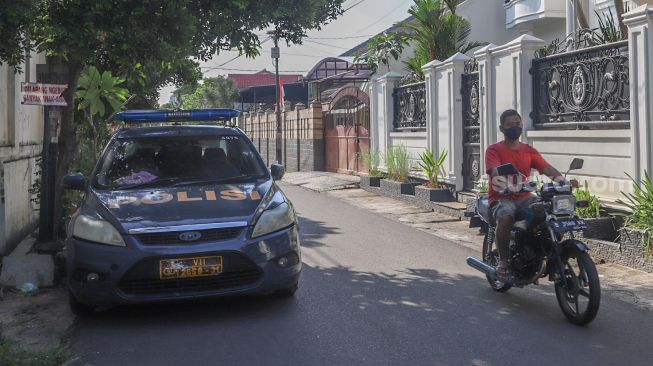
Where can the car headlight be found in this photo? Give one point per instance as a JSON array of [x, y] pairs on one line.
[[564, 204], [278, 215], [96, 230]]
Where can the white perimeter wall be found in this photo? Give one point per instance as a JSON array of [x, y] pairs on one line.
[[607, 156], [21, 139]]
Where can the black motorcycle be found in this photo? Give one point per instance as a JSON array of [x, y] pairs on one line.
[[542, 244]]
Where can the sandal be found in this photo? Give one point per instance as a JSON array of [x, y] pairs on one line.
[[502, 272]]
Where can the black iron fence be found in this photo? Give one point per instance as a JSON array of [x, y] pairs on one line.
[[410, 106], [590, 84]]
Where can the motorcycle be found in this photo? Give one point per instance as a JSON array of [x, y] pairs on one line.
[[542, 244]]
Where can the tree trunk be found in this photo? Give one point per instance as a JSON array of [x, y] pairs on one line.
[[67, 139], [619, 8]]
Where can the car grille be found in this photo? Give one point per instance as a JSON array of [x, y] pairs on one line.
[[167, 238], [143, 278]]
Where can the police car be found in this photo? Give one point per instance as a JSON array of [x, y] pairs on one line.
[[179, 211]]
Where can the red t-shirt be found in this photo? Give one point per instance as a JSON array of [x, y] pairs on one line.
[[525, 159]]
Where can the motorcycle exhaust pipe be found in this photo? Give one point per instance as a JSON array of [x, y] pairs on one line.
[[480, 266]]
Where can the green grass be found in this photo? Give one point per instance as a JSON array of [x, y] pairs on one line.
[[12, 354]]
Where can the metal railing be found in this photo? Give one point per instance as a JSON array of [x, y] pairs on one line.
[[410, 106], [579, 86]]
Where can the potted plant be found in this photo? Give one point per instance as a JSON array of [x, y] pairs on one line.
[[433, 190], [638, 225], [374, 175], [397, 162], [599, 225]]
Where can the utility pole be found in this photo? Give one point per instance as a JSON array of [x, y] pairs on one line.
[[275, 56], [49, 73]]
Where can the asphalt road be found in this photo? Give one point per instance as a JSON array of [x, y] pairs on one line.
[[373, 292]]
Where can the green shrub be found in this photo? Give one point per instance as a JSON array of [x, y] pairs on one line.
[[640, 203], [397, 161], [594, 208], [432, 167], [372, 160], [14, 354], [483, 187]]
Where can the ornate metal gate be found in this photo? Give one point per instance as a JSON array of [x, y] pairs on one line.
[[471, 126], [347, 131]]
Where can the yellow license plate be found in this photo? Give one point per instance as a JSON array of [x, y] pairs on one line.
[[190, 267]]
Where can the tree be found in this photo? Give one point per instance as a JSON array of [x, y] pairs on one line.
[[437, 33], [98, 94], [381, 49], [216, 92], [150, 42], [14, 20]]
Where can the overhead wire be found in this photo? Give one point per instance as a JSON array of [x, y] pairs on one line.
[[239, 55], [354, 5], [326, 44], [383, 17], [346, 37], [245, 70]]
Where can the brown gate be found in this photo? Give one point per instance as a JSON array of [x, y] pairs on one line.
[[347, 131]]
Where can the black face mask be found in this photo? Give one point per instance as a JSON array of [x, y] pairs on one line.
[[512, 133]]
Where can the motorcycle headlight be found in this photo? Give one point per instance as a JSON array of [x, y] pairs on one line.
[[96, 230], [564, 204], [279, 215]]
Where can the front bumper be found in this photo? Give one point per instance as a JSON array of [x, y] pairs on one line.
[[131, 274]]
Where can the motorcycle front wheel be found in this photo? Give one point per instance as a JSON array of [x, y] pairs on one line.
[[580, 298]]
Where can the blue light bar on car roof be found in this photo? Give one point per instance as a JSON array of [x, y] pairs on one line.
[[166, 115]]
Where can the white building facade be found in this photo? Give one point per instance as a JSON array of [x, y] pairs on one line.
[[591, 103], [21, 142]]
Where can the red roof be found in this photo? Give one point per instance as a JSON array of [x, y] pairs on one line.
[[262, 77]]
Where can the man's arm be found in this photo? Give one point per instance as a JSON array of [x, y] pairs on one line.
[[549, 170], [553, 173]]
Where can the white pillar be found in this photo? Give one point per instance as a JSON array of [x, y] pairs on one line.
[[512, 84], [571, 17], [431, 106], [486, 110], [640, 43], [3, 238], [374, 105], [450, 120], [384, 114]]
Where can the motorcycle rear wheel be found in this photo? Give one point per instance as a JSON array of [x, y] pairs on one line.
[[582, 282], [491, 257]]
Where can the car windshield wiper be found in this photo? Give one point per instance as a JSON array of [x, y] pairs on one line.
[[154, 182], [234, 178]]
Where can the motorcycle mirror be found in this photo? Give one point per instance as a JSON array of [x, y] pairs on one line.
[[507, 169], [576, 164]]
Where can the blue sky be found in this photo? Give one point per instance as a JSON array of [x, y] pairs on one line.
[[366, 18]]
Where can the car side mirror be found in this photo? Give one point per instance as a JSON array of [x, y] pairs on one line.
[[576, 164], [74, 181], [507, 169], [277, 171]]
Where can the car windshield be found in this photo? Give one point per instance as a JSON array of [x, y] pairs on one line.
[[174, 161]]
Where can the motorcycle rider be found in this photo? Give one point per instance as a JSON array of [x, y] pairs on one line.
[[524, 158]]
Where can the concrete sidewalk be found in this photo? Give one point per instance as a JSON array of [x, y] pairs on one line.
[[25, 266], [623, 283], [322, 181]]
